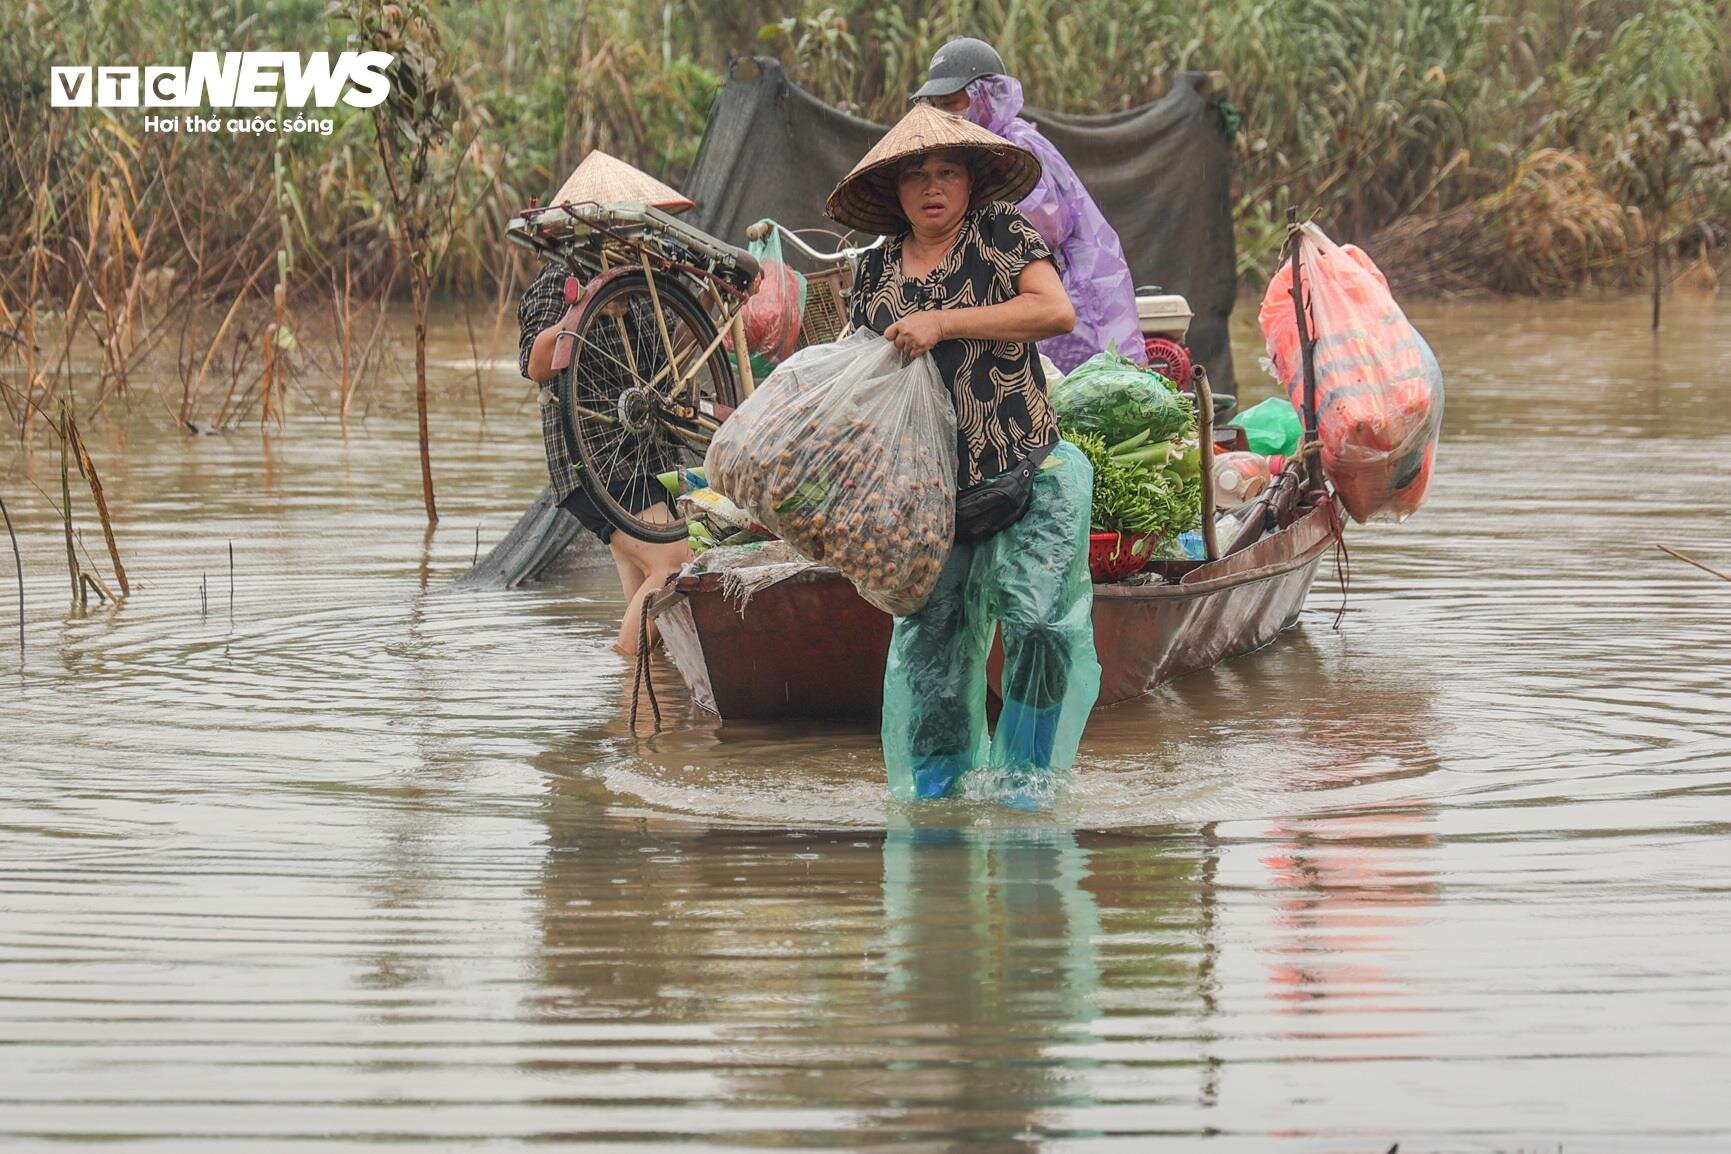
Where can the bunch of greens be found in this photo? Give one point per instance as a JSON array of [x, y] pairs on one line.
[[1115, 398], [1140, 435], [1143, 488]]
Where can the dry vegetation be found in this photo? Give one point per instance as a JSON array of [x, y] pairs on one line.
[[1472, 144]]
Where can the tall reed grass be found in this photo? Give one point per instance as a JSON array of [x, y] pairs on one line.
[[1368, 112]]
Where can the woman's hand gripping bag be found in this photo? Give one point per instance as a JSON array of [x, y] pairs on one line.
[[848, 453], [1379, 390]]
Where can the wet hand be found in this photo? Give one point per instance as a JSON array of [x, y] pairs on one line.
[[915, 335]]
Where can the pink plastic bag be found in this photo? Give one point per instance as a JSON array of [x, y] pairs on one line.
[[1379, 390], [773, 314]]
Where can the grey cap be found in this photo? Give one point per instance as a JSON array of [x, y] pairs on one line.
[[958, 63]]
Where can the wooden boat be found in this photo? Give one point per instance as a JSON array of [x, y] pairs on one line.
[[811, 647]]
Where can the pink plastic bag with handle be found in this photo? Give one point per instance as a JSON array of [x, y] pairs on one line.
[[1379, 390]]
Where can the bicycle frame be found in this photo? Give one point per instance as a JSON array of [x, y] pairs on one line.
[[599, 242], [595, 240]]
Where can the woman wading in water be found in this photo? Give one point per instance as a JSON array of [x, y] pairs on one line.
[[967, 277]]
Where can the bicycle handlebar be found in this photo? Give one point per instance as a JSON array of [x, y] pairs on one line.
[[762, 229]]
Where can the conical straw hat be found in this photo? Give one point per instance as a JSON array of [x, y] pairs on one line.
[[603, 179], [866, 197]]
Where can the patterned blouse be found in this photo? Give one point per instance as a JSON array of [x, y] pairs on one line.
[[999, 389]]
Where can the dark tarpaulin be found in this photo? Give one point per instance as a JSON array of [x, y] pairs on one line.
[[1160, 173], [543, 535]]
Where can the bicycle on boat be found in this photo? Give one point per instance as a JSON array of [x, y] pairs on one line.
[[647, 369]]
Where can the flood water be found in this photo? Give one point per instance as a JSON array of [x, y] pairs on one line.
[[347, 859]]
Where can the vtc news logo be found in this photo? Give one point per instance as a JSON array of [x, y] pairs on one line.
[[229, 80]]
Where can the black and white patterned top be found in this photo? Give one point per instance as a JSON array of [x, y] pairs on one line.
[[998, 387], [542, 306]]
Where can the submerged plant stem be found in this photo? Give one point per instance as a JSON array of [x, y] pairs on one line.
[[18, 563], [66, 504], [88, 468]]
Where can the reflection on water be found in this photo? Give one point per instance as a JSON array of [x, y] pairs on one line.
[[352, 860], [990, 957]]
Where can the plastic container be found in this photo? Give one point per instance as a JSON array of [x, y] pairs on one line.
[[1241, 477]]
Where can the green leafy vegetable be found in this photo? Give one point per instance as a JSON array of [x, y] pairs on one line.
[[1118, 400], [1139, 433], [1147, 489]]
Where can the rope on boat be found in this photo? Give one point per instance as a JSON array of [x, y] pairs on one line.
[[1342, 559], [642, 680]]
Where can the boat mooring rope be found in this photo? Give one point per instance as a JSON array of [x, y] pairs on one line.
[[642, 678], [1342, 559]]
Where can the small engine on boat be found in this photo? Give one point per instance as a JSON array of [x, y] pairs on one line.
[[1165, 319]]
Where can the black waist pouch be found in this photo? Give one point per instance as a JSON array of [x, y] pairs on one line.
[[993, 506]]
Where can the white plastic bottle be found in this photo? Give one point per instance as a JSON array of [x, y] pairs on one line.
[[1241, 477]]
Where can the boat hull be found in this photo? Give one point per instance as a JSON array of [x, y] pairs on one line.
[[811, 647]]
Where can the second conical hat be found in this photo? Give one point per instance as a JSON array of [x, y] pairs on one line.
[[603, 179], [866, 197]]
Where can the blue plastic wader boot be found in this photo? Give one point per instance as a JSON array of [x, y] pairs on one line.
[[1031, 581]]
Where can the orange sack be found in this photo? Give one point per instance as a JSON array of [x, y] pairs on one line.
[[1379, 391]]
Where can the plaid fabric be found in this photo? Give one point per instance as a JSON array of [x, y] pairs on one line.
[[542, 306]]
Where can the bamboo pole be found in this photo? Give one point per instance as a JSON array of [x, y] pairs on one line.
[[88, 468], [348, 389], [1205, 445], [420, 291], [1658, 274], [1307, 346], [743, 356], [660, 317]]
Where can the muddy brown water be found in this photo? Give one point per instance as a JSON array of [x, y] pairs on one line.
[[351, 860]]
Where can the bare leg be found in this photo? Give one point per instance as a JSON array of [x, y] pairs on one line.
[[656, 563], [630, 576]]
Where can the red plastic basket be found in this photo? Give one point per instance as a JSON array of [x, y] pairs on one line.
[[1114, 556]]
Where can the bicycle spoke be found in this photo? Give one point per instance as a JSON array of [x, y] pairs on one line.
[[631, 374], [595, 414]]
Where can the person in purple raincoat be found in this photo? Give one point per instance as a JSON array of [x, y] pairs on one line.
[[967, 78]]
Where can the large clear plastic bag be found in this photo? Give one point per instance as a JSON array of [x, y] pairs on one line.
[[1379, 390], [848, 453]]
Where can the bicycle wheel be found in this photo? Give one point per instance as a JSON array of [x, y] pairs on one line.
[[628, 412]]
